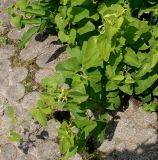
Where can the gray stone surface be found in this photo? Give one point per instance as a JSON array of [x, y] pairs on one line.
[[15, 34], [51, 128], [43, 61], [30, 100], [17, 74], [3, 30], [26, 157], [4, 18], [42, 73], [134, 138], [5, 66], [15, 92], [49, 61], [76, 157], [45, 46], [8, 152], [135, 130], [49, 150], [29, 53], [7, 51], [4, 82], [2, 101]]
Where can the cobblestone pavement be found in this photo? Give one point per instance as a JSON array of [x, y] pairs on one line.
[[21, 72]]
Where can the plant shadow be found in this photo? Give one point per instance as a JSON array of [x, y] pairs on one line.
[[142, 152]]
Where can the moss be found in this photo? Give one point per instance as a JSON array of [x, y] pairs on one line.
[[30, 83]]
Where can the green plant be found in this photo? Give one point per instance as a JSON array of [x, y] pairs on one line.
[[112, 52]]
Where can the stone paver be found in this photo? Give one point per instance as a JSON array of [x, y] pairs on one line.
[[5, 66], [30, 100], [4, 82], [76, 157], [48, 61], [4, 18], [15, 92], [8, 152], [135, 135], [15, 34], [42, 73], [26, 157], [49, 150], [3, 30], [18, 74], [51, 128], [29, 53], [7, 51], [135, 128]]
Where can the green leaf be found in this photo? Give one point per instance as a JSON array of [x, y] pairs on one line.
[[39, 116], [155, 91], [79, 13], [126, 89], [118, 78], [143, 84], [17, 21], [11, 114], [60, 22], [92, 56], [86, 125], [87, 27], [131, 58], [53, 81], [32, 21], [113, 103], [72, 36], [105, 40], [75, 52], [38, 12], [70, 64], [63, 36], [78, 94], [99, 131], [70, 153], [14, 137], [129, 79], [94, 78], [22, 4], [10, 10], [27, 36], [151, 107], [66, 137], [145, 68], [112, 85]]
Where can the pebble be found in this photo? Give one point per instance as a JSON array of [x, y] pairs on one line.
[[39, 75], [18, 74], [30, 100], [4, 17], [15, 92], [43, 61], [7, 51], [2, 101], [29, 53], [52, 127], [131, 133], [8, 152], [26, 157], [4, 82], [76, 157], [3, 30], [5, 66], [49, 150], [15, 34]]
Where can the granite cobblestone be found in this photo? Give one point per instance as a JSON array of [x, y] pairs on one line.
[[132, 130]]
